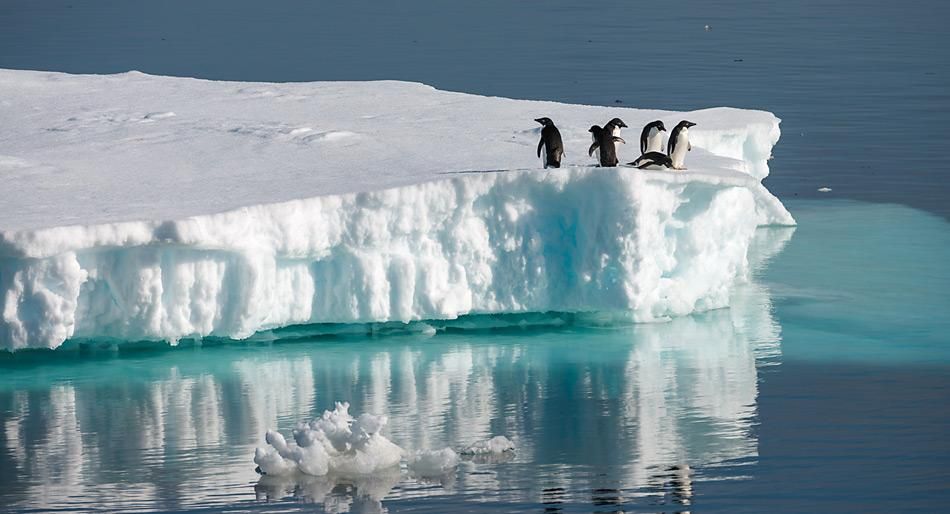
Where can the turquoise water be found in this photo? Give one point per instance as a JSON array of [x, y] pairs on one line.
[[823, 388]]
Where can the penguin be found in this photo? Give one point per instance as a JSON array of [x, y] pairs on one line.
[[551, 144], [606, 142], [595, 131], [653, 161], [613, 127], [678, 145], [650, 139]]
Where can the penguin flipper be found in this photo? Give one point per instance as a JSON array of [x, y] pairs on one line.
[[689, 147], [540, 146], [593, 147], [619, 140]]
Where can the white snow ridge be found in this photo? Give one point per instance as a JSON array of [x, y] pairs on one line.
[[155, 208]]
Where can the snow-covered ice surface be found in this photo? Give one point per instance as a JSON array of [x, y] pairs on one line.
[[142, 207]]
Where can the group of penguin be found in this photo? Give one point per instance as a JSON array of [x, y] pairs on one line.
[[605, 139]]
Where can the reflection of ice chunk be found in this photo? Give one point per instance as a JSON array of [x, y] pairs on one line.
[[433, 463], [497, 444], [357, 494], [335, 442]]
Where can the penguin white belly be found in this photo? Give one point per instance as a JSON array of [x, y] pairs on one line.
[[544, 155], [655, 141], [679, 151], [593, 139]]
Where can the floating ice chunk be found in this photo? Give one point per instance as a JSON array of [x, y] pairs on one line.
[[824, 189], [497, 444], [334, 443], [433, 463]]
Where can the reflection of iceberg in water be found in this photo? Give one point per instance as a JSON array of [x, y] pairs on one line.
[[603, 416], [354, 494]]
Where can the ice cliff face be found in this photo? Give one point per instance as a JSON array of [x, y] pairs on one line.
[[652, 244]]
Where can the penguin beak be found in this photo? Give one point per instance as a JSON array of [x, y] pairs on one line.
[[690, 124], [623, 125], [539, 120]]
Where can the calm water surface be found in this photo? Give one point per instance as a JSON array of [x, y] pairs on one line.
[[823, 389]]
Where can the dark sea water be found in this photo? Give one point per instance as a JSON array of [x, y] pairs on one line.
[[824, 388]]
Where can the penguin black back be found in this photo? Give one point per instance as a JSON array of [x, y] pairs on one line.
[[606, 142], [550, 144], [653, 160]]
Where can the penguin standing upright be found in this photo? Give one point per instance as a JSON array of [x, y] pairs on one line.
[[606, 142], [595, 131], [551, 144], [679, 144], [612, 127], [651, 139]]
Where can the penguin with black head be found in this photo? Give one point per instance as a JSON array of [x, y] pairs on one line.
[[550, 147], [678, 145], [651, 139], [606, 143], [612, 127]]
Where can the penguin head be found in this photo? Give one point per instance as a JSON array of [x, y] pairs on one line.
[[616, 122], [686, 124], [659, 126], [595, 129], [544, 121]]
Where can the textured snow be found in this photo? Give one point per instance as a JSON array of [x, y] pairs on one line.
[[142, 207]]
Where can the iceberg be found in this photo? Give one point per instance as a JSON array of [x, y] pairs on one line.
[[139, 207]]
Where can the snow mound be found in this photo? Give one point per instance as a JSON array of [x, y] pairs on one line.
[[154, 208], [334, 443]]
